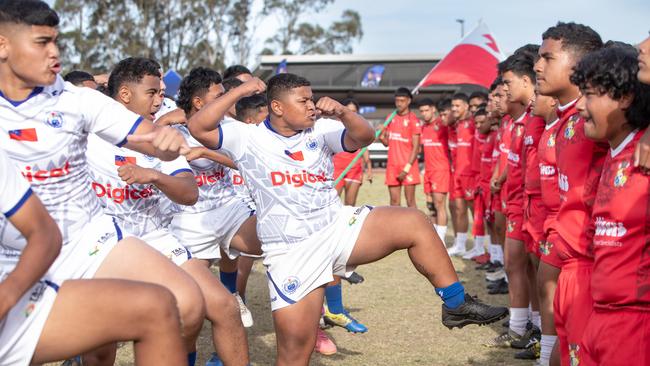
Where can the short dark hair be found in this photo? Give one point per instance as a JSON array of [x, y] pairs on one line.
[[283, 83], [478, 94], [28, 12], [497, 81], [76, 77], [426, 101], [403, 92], [528, 50], [460, 96], [481, 111], [249, 104], [235, 70], [521, 64], [444, 104], [613, 71], [577, 38], [347, 101], [231, 83], [131, 70], [196, 83]]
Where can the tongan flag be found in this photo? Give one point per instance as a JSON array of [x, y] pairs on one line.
[[473, 61], [26, 134]]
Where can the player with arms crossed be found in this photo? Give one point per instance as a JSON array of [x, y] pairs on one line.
[[307, 235]]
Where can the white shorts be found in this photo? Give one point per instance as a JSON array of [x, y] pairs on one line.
[[163, 241], [203, 233], [294, 273], [21, 329], [86, 251]]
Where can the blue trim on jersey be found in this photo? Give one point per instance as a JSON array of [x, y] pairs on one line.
[[53, 285], [20, 203], [220, 137], [131, 131], [16, 103], [280, 293], [252, 213], [182, 170], [267, 123], [343, 142], [117, 230]]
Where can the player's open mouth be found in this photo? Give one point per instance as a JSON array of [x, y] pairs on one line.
[[56, 68]]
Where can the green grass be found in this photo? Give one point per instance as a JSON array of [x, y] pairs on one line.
[[396, 303]]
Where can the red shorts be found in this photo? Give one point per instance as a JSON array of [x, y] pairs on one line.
[[548, 249], [436, 181], [500, 201], [463, 187], [412, 178], [355, 174], [572, 307], [616, 338], [515, 223], [534, 216]]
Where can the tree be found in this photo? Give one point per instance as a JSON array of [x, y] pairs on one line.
[[307, 38]]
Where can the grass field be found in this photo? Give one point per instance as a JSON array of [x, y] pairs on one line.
[[397, 304]]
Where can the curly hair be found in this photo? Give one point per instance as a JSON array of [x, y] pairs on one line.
[[613, 71], [196, 84], [578, 38], [131, 70], [282, 83]]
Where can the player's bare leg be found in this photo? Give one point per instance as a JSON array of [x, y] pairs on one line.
[[395, 195], [222, 311], [91, 313], [132, 259], [439, 203], [244, 268], [409, 194], [351, 193], [462, 221], [295, 329], [517, 270], [546, 284]]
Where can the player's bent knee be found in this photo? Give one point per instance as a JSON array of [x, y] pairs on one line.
[[191, 305], [221, 306]]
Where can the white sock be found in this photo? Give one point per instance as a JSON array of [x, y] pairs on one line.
[[547, 343], [461, 240], [478, 244], [536, 319], [498, 250], [492, 252], [442, 231], [518, 320]]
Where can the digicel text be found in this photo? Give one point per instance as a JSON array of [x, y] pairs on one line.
[[119, 195], [42, 175], [209, 179], [296, 179]]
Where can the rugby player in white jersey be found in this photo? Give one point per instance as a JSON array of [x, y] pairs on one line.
[[307, 235], [131, 185], [44, 127], [36, 312]]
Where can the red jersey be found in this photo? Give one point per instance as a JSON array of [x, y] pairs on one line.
[[532, 133], [487, 160], [579, 162], [621, 242], [503, 146], [464, 143], [548, 170], [343, 159], [515, 181], [400, 139], [479, 141], [452, 139], [435, 146]]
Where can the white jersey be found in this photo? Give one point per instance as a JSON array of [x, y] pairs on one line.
[[213, 180], [167, 106], [290, 178], [14, 193], [137, 207], [45, 136], [241, 189]]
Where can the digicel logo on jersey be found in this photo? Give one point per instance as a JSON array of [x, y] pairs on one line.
[[209, 179], [119, 195], [296, 179], [43, 175]]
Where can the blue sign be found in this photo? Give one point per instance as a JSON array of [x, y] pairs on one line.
[[172, 81], [372, 77]]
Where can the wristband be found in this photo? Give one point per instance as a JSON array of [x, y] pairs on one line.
[[407, 168]]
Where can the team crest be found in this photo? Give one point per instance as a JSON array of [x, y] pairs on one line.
[[511, 226], [545, 247], [621, 177], [570, 130], [54, 119], [311, 144], [520, 130], [35, 297], [573, 355], [551, 141], [406, 122], [291, 284]]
